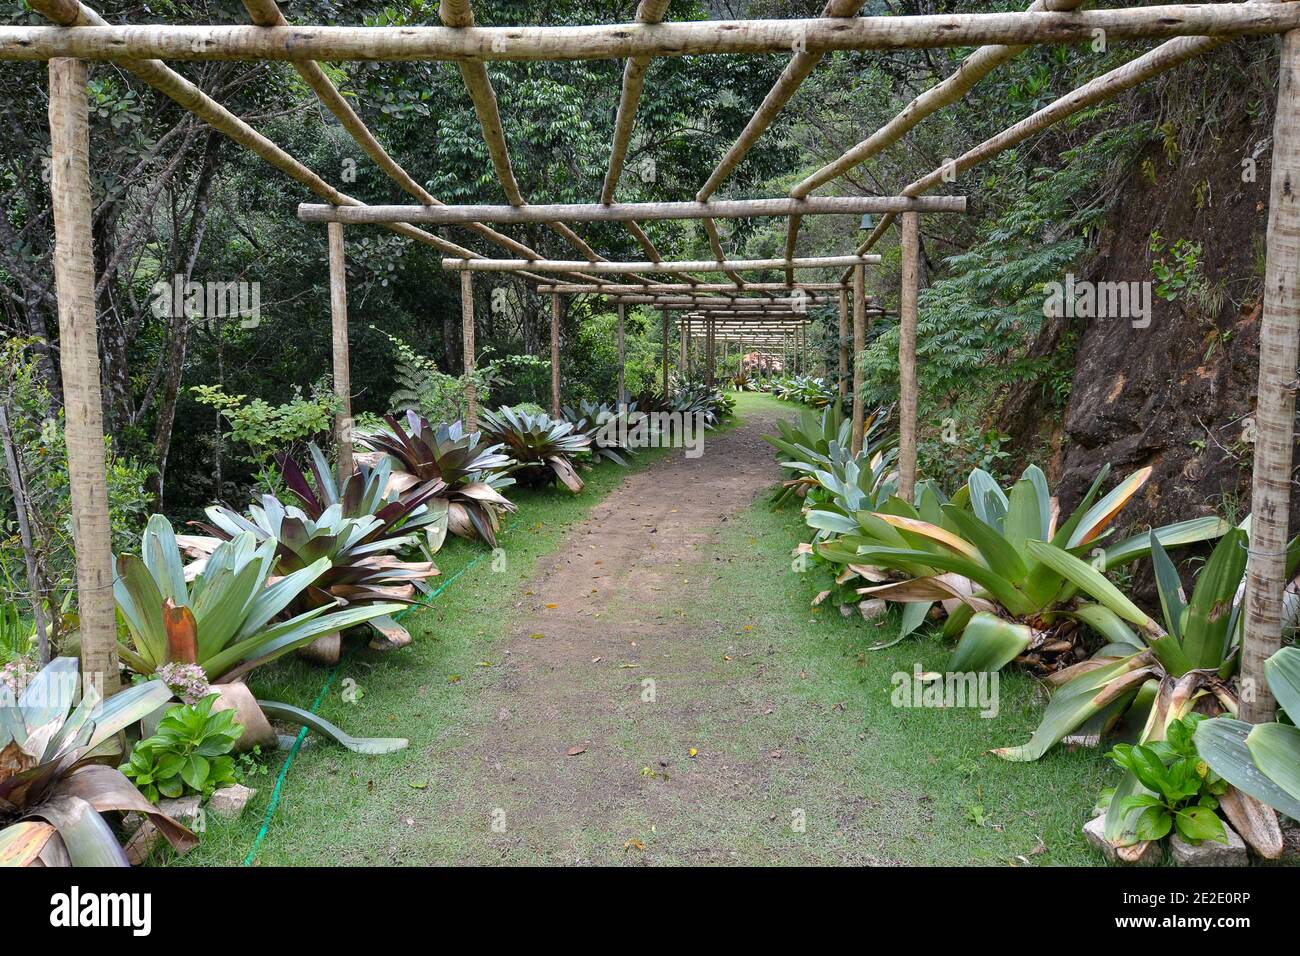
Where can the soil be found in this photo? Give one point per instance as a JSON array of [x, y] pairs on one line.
[[582, 749]]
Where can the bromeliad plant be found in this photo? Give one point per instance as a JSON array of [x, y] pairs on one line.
[[608, 428], [1261, 760], [58, 771], [980, 555], [544, 448], [360, 570], [370, 491], [223, 613], [471, 472]]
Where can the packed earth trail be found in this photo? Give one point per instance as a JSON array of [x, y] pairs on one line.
[[637, 678]]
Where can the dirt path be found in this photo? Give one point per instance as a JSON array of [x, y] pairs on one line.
[[581, 749]]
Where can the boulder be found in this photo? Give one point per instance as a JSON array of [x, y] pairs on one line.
[[1142, 854], [1209, 852], [229, 802]]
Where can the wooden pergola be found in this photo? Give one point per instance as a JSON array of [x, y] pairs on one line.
[[78, 34]]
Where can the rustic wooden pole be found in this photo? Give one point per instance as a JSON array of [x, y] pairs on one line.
[[859, 343], [624, 40], [907, 357], [710, 358], [1279, 336], [663, 315], [555, 355], [844, 344], [74, 282], [624, 211], [342, 366], [682, 330], [622, 399], [467, 340], [452, 264]]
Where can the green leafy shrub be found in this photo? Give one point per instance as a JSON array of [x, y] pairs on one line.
[[189, 753], [1181, 790]]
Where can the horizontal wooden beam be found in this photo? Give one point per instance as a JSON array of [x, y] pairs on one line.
[[680, 266], [660, 288], [628, 211], [766, 305], [623, 40]]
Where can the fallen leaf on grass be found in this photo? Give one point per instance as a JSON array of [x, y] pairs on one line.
[[628, 666], [574, 751], [454, 679], [633, 844], [419, 784], [692, 752], [484, 664], [536, 637], [552, 606], [597, 660]]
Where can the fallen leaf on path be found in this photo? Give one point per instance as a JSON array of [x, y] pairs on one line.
[[628, 666], [574, 751], [552, 606], [536, 637], [597, 660]]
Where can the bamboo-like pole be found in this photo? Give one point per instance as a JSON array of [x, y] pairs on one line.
[[688, 289], [647, 11], [795, 72], [907, 357], [267, 13], [1279, 338], [663, 315], [620, 268], [478, 84], [843, 349], [622, 398], [622, 211], [1098, 90], [960, 82], [555, 355], [74, 283], [467, 341], [709, 358], [342, 365], [859, 343], [624, 40]]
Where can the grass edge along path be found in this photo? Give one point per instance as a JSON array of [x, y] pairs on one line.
[[527, 536]]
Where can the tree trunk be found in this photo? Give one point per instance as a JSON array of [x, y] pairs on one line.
[[74, 279], [1275, 402], [911, 226]]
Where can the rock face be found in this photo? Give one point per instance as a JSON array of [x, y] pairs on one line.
[[1209, 852], [1178, 394]]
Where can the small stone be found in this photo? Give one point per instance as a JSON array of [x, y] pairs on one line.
[[1209, 852], [184, 810], [143, 842], [872, 609], [229, 802], [1095, 831]]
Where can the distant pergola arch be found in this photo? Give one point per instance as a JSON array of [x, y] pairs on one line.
[[79, 34]]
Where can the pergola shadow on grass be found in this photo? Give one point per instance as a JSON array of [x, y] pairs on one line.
[[79, 34]]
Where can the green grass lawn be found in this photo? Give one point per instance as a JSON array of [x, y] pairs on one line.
[[915, 784]]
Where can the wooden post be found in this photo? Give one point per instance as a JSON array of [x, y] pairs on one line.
[[859, 343], [911, 229], [74, 283], [342, 367], [708, 353], [622, 399], [555, 355], [663, 315], [467, 340], [843, 350], [1275, 399]]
